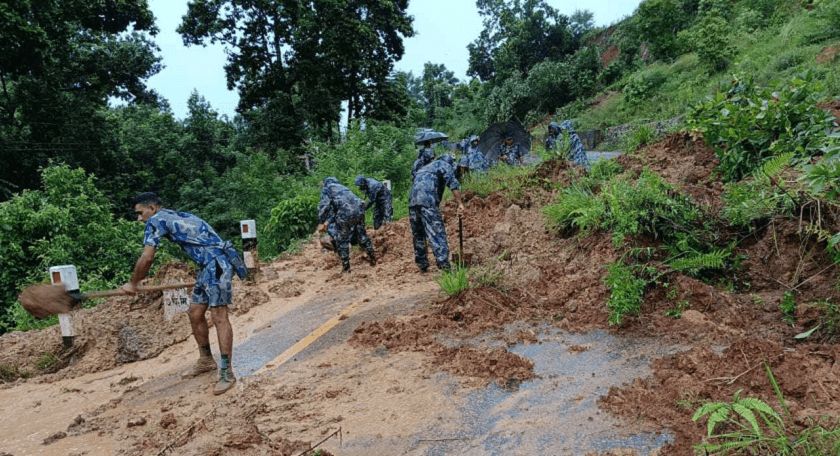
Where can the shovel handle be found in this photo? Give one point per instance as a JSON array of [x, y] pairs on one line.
[[140, 289]]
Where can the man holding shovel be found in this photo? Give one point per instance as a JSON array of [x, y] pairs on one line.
[[424, 211], [213, 287]]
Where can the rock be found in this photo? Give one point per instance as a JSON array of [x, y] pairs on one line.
[[54, 437], [138, 421]]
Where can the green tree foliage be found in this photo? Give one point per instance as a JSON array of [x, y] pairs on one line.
[[438, 86], [517, 35], [710, 39], [294, 63], [658, 23], [60, 61], [69, 222]]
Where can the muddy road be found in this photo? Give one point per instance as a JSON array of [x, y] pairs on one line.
[[380, 362]]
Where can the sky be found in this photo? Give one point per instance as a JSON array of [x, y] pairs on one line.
[[443, 29]]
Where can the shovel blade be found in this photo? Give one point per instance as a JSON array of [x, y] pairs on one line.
[[42, 300]]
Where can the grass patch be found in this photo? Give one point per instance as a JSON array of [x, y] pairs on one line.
[[453, 281], [513, 182], [11, 373]]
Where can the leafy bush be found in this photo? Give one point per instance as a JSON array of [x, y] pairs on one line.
[[626, 291], [710, 40], [823, 178], [749, 125], [292, 219], [69, 222], [641, 86]]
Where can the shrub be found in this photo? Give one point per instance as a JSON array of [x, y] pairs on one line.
[[292, 219], [69, 222], [748, 125], [626, 292], [710, 40], [642, 85]]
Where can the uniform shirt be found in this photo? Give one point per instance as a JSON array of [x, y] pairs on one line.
[[476, 159], [427, 188], [577, 152], [193, 234], [513, 152], [338, 204], [374, 192]]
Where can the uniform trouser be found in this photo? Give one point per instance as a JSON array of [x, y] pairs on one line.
[[382, 212], [427, 223], [350, 232]]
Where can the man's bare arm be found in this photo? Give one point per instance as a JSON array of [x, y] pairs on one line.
[[141, 269]]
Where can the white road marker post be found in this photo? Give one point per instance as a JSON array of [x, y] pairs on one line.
[[66, 275], [249, 245]]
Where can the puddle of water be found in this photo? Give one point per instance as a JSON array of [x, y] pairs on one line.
[[557, 413]]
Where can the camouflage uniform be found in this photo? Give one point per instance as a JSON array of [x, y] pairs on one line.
[[213, 284], [424, 211], [343, 210], [473, 158], [551, 139], [513, 152], [424, 157], [577, 152], [379, 195]]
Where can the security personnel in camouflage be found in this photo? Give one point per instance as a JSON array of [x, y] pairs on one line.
[[577, 152], [475, 157], [512, 153], [424, 157], [212, 289], [343, 211], [379, 196], [551, 138], [424, 211]]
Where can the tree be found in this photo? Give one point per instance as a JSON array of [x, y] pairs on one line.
[[60, 62], [294, 63], [517, 35], [658, 22], [438, 85], [580, 23]]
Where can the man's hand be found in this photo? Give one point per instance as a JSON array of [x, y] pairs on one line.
[[460, 208], [129, 289], [321, 228]]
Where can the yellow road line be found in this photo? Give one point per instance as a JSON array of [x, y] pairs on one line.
[[308, 340]]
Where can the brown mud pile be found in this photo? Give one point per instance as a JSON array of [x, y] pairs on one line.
[[121, 330], [741, 313]]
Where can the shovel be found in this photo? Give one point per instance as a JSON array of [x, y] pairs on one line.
[[42, 300], [461, 258]]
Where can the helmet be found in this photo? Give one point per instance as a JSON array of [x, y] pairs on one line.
[[360, 181], [330, 180], [566, 125], [448, 159]]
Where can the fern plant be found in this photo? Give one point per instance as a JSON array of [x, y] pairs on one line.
[[742, 416], [626, 291]]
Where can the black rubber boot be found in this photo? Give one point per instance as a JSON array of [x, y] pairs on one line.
[[346, 267], [372, 257]]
